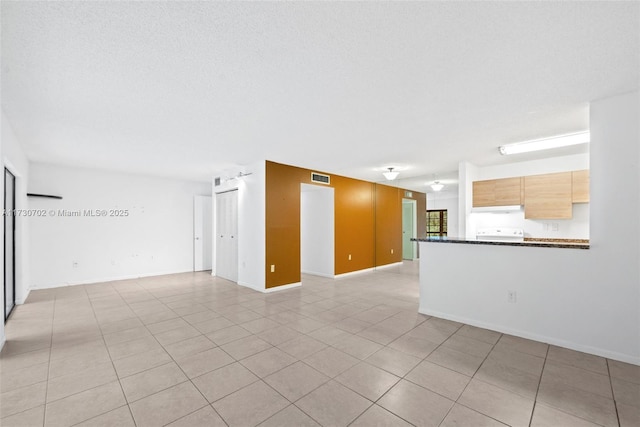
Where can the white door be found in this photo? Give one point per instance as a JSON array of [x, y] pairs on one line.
[[408, 228], [227, 235], [202, 219]]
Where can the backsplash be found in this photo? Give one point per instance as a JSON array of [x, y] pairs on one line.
[[574, 228]]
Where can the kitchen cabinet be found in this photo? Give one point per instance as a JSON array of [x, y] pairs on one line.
[[548, 196], [497, 192], [580, 186]]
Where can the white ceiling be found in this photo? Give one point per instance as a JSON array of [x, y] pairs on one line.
[[187, 89]]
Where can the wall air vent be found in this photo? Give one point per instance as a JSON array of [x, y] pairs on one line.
[[320, 178], [216, 181]]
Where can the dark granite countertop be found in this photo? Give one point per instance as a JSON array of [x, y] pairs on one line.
[[538, 244]]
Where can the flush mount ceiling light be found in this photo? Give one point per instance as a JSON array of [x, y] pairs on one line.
[[436, 186], [390, 175], [545, 143]]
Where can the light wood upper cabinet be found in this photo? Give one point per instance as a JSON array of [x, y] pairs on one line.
[[497, 192], [548, 196], [580, 186]]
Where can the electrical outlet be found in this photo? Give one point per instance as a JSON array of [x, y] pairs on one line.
[[349, 257], [512, 297], [273, 268], [74, 264], [555, 226]]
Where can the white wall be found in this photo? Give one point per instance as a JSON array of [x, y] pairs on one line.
[[317, 230], [535, 167], [155, 238], [448, 201], [467, 173], [588, 300], [251, 223]]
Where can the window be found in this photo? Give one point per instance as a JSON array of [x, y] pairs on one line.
[[437, 223]]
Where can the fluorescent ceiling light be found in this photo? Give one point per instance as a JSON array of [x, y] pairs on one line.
[[390, 175], [545, 143], [436, 186]]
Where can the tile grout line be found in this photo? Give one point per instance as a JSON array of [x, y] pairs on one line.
[[471, 378], [112, 365], [46, 392], [615, 402], [535, 399]]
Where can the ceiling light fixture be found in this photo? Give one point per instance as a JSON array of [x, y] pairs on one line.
[[546, 143], [390, 175], [436, 186]]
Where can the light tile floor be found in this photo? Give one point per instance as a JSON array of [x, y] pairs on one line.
[[191, 350]]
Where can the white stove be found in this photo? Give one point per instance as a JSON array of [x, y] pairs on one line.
[[500, 234]]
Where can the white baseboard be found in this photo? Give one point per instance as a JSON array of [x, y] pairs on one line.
[[315, 273], [109, 279], [354, 273], [393, 264], [250, 286], [282, 287], [627, 358], [23, 300], [2, 340]]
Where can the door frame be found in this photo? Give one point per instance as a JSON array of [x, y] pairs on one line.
[[414, 232], [13, 244], [200, 203], [215, 269]]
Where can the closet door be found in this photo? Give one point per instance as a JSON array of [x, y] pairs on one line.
[[227, 235]]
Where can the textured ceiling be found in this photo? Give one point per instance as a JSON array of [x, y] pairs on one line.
[[186, 89]]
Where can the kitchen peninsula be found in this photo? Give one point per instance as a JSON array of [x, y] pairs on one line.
[[520, 288]]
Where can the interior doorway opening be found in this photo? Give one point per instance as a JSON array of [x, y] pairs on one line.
[[317, 230], [409, 229]]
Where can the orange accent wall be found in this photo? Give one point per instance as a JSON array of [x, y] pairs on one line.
[[354, 224], [368, 223], [388, 224]]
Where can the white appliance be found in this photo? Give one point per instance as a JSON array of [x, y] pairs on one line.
[[500, 234]]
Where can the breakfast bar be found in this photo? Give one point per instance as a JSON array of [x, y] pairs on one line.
[[520, 288], [547, 243]]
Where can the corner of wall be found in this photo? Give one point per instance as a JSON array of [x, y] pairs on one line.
[[467, 173]]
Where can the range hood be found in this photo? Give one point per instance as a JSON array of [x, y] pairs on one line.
[[497, 209]]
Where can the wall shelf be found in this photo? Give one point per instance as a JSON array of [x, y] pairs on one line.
[[47, 196]]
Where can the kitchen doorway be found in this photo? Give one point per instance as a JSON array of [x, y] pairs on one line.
[[409, 228]]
